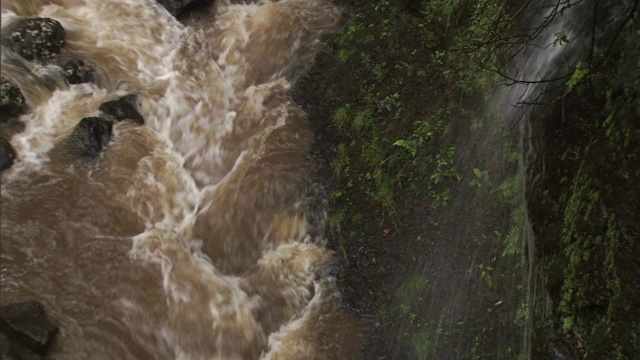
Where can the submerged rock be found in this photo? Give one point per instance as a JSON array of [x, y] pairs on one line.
[[77, 72], [124, 108], [7, 154], [175, 7], [11, 100], [25, 331], [35, 38], [91, 135]]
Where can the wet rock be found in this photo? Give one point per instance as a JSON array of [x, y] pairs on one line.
[[77, 72], [26, 331], [11, 127], [12, 350], [91, 135], [124, 108], [35, 38], [7, 154], [176, 7], [11, 100]]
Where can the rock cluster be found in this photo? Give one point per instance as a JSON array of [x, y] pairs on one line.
[[92, 134], [34, 39], [40, 39]]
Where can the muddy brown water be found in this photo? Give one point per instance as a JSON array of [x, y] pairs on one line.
[[191, 237]]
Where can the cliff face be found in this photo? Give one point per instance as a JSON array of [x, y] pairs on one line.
[[400, 104]]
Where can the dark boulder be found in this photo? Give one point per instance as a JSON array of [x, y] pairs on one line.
[[124, 108], [14, 350], [91, 135], [177, 7], [11, 100], [7, 154], [11, 127], [35, 38], [77, 72], [25, 331]]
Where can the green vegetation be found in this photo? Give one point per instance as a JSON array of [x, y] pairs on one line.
[[415, 73], [413, 79]]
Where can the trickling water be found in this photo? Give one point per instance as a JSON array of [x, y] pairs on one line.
[[195, 236], [548, 58]]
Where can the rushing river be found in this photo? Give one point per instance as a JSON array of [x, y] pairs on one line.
[[199, 234]]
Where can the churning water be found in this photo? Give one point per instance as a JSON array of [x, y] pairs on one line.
[[197, 235]]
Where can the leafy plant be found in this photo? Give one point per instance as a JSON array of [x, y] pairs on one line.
[[485, 274], [561, 38], [423, 132], [441, 198], [512, 241], [445, 167], [481, 178]]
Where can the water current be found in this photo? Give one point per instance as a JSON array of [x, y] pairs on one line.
[[197, 235]]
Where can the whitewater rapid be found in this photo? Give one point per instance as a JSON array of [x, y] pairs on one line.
[[198, 235]]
